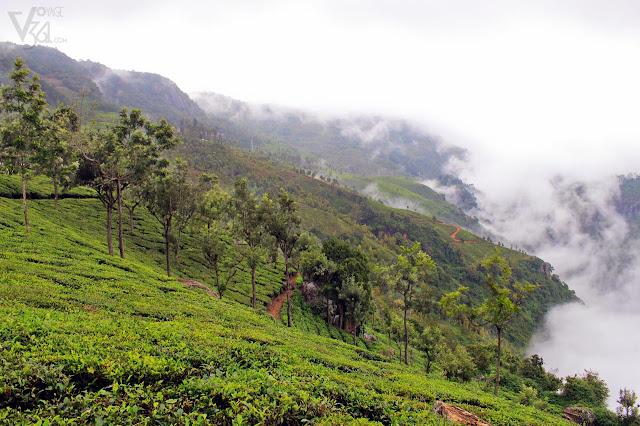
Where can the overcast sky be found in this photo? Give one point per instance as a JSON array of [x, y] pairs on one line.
[[549, 83], [532, 88]]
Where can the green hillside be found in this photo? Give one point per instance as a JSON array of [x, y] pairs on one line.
[[332, 211], [89, 338], [402, 193], [107, 91], [365, 145]]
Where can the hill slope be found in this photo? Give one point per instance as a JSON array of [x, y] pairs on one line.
[[64, 79], [332, 211], [86, 338]]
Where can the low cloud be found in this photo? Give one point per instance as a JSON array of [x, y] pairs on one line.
[[573, 223]]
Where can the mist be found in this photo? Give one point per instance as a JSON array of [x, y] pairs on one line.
[[572, 222]]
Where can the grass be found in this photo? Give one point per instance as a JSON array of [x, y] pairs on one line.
[[90, 338]]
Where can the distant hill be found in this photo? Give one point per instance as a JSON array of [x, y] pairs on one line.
[[628, 203], [357, 145], [64, 79], [363, 145]]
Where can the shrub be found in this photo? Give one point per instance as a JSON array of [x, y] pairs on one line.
[[528, 396], [587, 390], [457, 365]]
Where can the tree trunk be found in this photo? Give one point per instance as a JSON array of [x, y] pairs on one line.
[[354, 335], [406, 333], [253, 285], [24, 202], [341, 313], [120, 233], [167, 246], [109, 241], [218, 281], [131, 220], [328, 320], [55, 193], [495, 389], [176, 248], [286, 276]]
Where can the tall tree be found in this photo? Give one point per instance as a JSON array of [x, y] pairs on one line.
[[57, 157], [283, 223], [251, 221], [349, 262], [189, 200], [430, 342], [123, 155], [408, 276], [132, 198], [218, 238], [315, 266], [163, 198], [357, 300], [498, 309], [628, 409], [21, 104]]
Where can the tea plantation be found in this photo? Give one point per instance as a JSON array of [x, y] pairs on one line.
[[87, 338]]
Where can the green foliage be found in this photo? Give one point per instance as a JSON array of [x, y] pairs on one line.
[[528, 395], [498, 309], [457, 364], [430, 342], [21, 105], [628, 409], [356, 297], [586, 390], [89, 338]]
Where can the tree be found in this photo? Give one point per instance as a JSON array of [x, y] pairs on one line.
[[315, 266], [408, 276], [587, 390], [357, 300], [457, 364], [189, 198], [251, 227], [349, 262], [498, 309], [430, 342], [222, 256], [628, 409], [163, 197], [283, 223], [134, 197], [218, 240], [57, 157], [22, 105], [122, 155]]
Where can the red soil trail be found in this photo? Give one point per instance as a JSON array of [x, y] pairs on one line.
[[276, 303], [454, 235]]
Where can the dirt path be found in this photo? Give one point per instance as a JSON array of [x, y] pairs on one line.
[[276, 303], [457, 240], [455, 233]]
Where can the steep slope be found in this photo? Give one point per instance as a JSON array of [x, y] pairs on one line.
[[64, 79], [329, 210], [403, 193], [89, 338], [364, 145]]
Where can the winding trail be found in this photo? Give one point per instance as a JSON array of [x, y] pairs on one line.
[[276, 303], [454, 235]]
